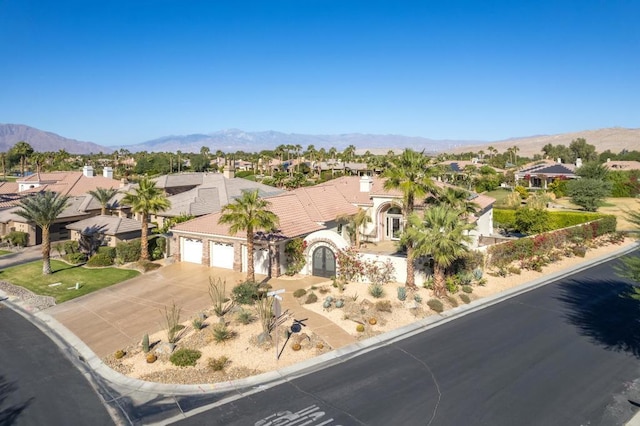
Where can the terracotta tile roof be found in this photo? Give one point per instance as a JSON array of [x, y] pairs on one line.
[[324, 203], [294, 220], [68, 183], [8, 187], [349, 187], [109, 225]]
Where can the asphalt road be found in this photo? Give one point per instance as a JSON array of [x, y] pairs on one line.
[[38, 384], [564, 354]]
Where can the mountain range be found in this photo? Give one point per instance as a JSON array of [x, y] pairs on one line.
[[232, 140]]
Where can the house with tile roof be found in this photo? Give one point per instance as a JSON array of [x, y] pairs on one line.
[[310, 213], [74, 185], [622, 165], [109, 230], [540, 174]]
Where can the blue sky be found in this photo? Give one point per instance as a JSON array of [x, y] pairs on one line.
[[126, 71]]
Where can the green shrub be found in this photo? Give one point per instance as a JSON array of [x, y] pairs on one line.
[[72, 246], [185, 357], [197, 324], [452, 300], [245, 293], [435, 305], [579, 251], [311, 298], [128, 251], [383, 306], [100, 259], [504, 218], [467, 289], [376, 290], [417, 298], [299, 292], [402, 294], [451, 283], [221, 333], [465, 298], [218, 364], [17, 238], [245, 317], [157, 247], [532, 220], [76, 258]]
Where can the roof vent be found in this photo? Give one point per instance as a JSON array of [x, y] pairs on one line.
[[87, 171]]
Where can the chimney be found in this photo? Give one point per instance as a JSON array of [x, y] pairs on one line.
[[87, 171], [107, 172], [559, 160], [230, 169], [366, 182], [578, 162], [608, 160]]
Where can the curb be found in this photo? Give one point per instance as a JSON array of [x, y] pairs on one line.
[[109, 382]]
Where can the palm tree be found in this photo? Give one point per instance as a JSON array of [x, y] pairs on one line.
[[348, 153], [3, 163], [356, 222], [23, 150], [249, 213], [103, 195], [43, 209], [455, 198], [146, 199], [442, 234], [410, 176]]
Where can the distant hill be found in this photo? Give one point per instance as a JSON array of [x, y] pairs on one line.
[[232, 140], [42, 141], [615, 139]]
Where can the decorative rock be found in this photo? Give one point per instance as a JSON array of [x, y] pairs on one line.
[[165, 348]]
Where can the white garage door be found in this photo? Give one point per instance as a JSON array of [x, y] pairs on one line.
[[221, 255], [260, 260], [191, 250]]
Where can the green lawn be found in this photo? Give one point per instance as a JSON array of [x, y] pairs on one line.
[[499, 194], [30, 276], [3, 252]]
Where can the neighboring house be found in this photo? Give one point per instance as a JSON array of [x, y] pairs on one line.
[[75, 185], [109, 230], [310, 213], [620, 165], [198, 194], [540, 174]]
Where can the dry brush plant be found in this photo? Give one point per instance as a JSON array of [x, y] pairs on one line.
[[172, 322], [217, 292]]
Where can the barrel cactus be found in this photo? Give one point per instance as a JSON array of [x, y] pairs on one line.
[[339, 303]]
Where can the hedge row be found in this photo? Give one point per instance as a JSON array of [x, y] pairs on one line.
[[501, 255], [557, 220]]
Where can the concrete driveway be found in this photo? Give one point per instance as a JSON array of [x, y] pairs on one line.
[[120, 315]]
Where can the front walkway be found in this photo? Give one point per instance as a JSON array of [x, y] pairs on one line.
[[118, 316]]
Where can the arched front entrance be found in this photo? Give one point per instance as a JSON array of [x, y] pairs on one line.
[[324, 262], [393, 223]]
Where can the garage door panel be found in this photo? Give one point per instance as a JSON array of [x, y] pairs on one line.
[[191, 250], [221, 255]]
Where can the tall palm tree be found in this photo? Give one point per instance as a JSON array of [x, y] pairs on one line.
[[23, 150], [144, 200], [43, 209], [249, 213], [103, 195], [411, 176], [441, 234]]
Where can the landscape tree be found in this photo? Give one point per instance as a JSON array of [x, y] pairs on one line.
[[21, 150], [3, 164], [146, 199], [441, 234], [43, 209], [581, 149], [588, 193], [103, 195], [593, 170], [455, 198], [410, 175], [249, 213], [554, 152]]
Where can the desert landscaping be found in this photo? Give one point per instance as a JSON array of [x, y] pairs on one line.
[[360, 315]]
